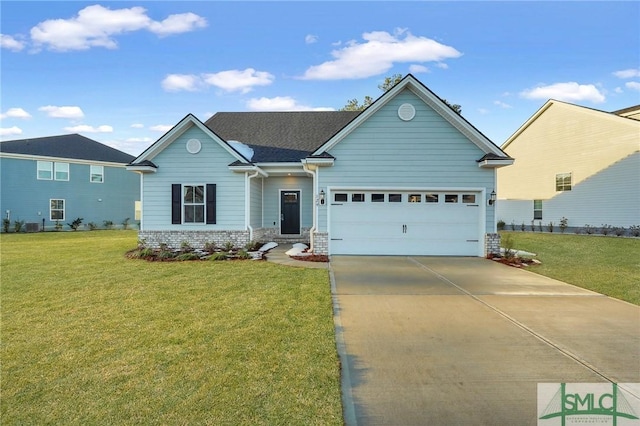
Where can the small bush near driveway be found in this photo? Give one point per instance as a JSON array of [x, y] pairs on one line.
[[608, 265], [90, 337]]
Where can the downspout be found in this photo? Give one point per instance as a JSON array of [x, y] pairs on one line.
[[247, 203], [312, 231]]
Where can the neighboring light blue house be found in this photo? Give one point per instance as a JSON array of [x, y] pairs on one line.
[[60, 178], [408, 175]]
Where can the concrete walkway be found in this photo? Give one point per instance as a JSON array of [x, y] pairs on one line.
[[443, 341], [278, 255]]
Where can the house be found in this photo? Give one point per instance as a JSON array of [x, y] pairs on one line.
[[57, 179], [576, 163], [408, 175]]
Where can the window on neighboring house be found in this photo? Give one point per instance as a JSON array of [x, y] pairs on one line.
[[56, 210], [96, 174], [537, 209], [45, 170], [563, 182], [61, 171], [193, 204]]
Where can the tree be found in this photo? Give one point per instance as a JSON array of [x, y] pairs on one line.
[[387, 84]]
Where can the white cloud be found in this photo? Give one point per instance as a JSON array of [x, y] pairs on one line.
[[633, 85], [483, 111], [176, 24], [6, 131], [135, 140], [178, 82], [137, 126], [281, 103], [502, 104], [161, 128], [231, 81], [417, 69], [95, 26], [618, 90], [630, 73], [15, 113], [310, 38], [62, 111], [84, 128], [377, 55], [236, 80], [568, 92], [11, 43], [442, 65]]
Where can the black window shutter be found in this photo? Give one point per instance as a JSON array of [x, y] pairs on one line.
[[211, 203], [176, 203]]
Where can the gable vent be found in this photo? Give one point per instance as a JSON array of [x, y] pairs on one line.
[[406, 112], [194, 146]]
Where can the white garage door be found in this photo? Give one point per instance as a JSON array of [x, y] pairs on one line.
[[446, 223]]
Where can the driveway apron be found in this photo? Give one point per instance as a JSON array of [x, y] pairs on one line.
[[442, 340]]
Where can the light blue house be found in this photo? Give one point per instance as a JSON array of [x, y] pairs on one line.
[[57, 179], [408, 175]]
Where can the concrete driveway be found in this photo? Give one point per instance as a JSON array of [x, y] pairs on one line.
[[448, 341]]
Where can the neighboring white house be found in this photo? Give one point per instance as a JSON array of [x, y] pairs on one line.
[[408, 175], [573, 162]]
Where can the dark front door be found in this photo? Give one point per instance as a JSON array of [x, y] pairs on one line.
[[290, 212]]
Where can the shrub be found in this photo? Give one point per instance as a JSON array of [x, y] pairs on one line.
[[219, 256], [75, 224], [522, 227], [619, 231], [17, 225], [242, 254], [210, 247], [6, 223], [550, 226], [501, 225], [634, 230], [125, 223], [564, 222], [187, 256], [228, 246], [92, 226], [605, 229], [166, 254], [513, 226], [255, 245], [533, 226], [186, 247], [107, 224], [508, 243], [588, 229]]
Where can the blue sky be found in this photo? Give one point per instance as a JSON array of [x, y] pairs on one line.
[[123, 73]]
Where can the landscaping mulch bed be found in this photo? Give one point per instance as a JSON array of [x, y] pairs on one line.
[[516, 262], [312, 258]]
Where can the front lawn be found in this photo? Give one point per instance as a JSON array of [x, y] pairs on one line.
[[608, 265], [89, 337]]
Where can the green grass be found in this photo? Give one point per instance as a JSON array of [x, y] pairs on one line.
[[89, 337], [608, 265]]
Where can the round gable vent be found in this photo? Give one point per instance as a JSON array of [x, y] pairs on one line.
[[406, 112], [194, 146]]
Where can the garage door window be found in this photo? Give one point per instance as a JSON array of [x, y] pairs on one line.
[[377, 198], [395, 198], [357, 198], [340, 198], [451, 198], [415, 198], [469, 198], [431, 198]]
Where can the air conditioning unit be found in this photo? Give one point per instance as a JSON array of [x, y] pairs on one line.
[[32, 227]]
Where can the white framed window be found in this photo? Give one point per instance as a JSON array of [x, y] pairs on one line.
[[56, 209], [96, 174], [537, 209], [61, 171], [193, 203], [563, 182], [45, 170]]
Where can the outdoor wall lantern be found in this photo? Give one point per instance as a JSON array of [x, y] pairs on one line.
[[492, 198], [321, 197]]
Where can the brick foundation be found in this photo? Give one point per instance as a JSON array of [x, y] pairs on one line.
[[491, 244], [196, 239], [321, 243]]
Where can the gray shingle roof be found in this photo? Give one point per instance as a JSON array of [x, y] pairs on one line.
[[72, 146], [280, 136]]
